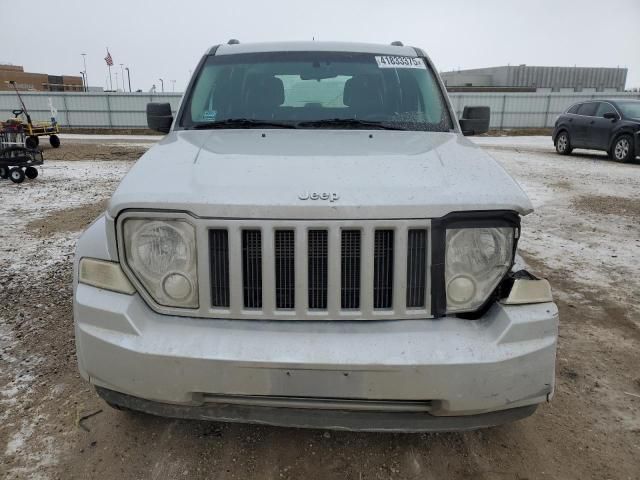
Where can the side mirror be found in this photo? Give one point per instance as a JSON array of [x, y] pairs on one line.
[[475, 120], [611, 116], [159, 117]]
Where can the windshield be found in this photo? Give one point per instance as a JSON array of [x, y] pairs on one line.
[[316, 90], [630, 108]]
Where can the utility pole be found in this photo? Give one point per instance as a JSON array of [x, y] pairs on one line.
[[122, 72], [86, 77], [128, 78], [161, 84]]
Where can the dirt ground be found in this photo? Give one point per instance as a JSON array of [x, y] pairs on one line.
[[584, 237]]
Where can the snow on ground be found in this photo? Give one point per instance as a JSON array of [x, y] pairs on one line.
[[533, 142], [585, 221], [61, 185]]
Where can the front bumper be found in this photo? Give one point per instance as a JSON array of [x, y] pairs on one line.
[[316, 372]]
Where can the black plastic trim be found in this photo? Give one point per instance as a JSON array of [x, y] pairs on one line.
[[346, 420], [473, 219]]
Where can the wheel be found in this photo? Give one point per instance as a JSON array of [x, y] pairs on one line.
[[31, 172], [54, 140], [16, 174], [622, 149], [31, 142], [563, 145], [4, 172]]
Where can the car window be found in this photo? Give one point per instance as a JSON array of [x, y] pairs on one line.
[[304, 87], [588, 109], [604, 107], [574, 109], [630, 108]]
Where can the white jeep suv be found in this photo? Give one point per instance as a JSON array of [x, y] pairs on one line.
[[315, 244]]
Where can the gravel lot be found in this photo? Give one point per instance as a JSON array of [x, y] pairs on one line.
[[584, 237]]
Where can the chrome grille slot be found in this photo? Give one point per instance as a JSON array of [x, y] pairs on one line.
[[383, 269], [285, 268], [252, 268], [219, 267], [350, 269], [416, 268], [318, 268]]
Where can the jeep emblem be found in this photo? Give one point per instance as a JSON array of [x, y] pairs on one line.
[[331, 196]]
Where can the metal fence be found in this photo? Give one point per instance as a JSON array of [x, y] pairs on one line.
[[128, 110]]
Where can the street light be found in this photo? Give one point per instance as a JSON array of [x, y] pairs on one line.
[[86, 77], [173, 85], [116, 81], [122, 71], [128, 77], [161, 84], [84, 85]]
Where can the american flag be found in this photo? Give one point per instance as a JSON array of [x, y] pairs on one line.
[[108, 59]]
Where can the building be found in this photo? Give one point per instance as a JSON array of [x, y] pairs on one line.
[[27, 81], [525, 78]]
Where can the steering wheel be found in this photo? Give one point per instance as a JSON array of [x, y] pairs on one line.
[[17, 112]]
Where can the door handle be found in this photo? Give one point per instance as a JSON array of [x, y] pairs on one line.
[[592, 122]]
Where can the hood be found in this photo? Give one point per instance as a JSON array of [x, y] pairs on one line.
[[317, 174]]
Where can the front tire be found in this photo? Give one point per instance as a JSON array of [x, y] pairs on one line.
[[563, 143], [54, 140], [4, 172], [622, 149], [16, 174]]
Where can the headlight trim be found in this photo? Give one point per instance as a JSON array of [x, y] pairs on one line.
[[461, 220]]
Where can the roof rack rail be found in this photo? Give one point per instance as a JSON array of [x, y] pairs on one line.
[[397, 43], [233, 41]]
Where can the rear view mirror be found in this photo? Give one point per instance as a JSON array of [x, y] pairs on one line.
[[611, 116], [159, 117], [475, 120]]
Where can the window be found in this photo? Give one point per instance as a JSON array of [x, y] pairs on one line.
[[630, 108], [588, 109], [574, 109], [604, 107], [302, 88]]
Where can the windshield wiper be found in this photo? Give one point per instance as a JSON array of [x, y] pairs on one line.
[[243, 123], [349, 122]]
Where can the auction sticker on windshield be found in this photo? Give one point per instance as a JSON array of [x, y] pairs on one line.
[[400, 62]]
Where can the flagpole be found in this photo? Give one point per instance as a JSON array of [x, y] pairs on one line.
[[110, 78]]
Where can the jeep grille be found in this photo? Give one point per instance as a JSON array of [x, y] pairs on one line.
[[313, 270]]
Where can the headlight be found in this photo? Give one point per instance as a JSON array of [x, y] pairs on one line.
[[476, 260], [162, 256]]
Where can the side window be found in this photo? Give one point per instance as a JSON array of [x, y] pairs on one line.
[[588, 109], [574, 109], [603, 108]]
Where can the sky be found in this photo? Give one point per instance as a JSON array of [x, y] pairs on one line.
[[165, 39]]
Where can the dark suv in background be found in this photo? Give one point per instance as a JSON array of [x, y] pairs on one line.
[[609, 125]]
